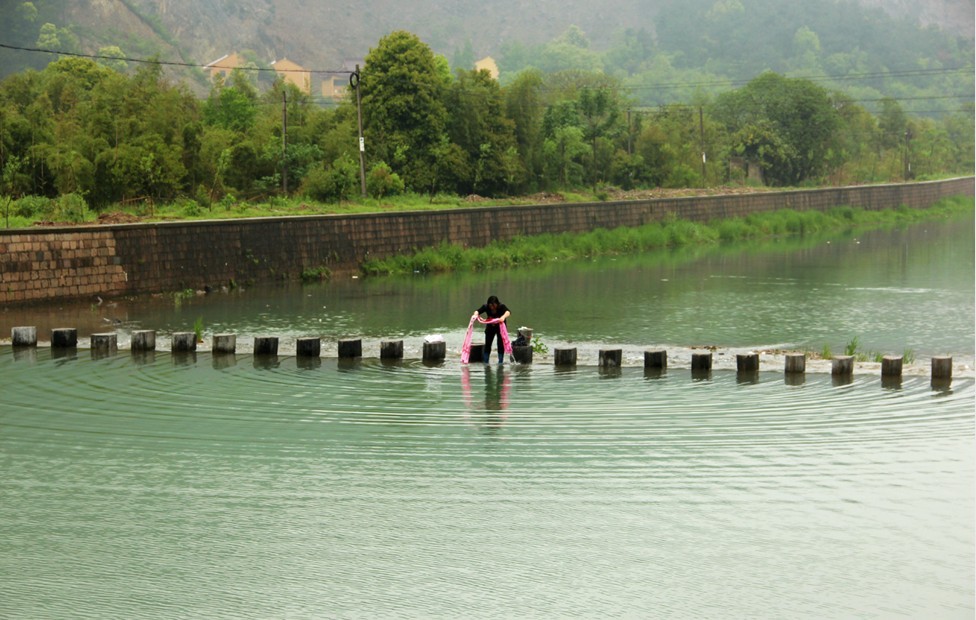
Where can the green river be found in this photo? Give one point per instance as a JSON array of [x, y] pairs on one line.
[[203, 486]]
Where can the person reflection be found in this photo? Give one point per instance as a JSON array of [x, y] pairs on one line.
[[498, 384]]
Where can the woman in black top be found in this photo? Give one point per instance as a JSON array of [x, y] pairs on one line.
[[493, 309]]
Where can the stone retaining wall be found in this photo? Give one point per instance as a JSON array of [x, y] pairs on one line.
[[128, 259]]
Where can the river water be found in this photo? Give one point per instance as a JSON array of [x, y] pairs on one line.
[[212, 486]]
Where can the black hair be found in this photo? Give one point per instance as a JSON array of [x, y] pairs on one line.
[[492, 300]]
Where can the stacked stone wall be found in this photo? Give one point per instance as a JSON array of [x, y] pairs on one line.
[[129, 259]]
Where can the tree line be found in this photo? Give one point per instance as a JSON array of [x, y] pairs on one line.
[[82, 129]]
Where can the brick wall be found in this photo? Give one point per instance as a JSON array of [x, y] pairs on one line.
[[80, 262]]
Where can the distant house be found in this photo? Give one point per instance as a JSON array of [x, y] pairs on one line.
[[224, 65], [488, 64], [335, 86], [293, 73]]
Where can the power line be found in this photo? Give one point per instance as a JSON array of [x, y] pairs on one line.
[[659, 86], [171, 63], [663, 85], [851, 76]]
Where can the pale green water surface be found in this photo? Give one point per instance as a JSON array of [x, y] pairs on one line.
[[202, 486]]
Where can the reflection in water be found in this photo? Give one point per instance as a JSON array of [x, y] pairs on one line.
[[896, 290], [265, 362], [224, 360], [354, 488], [365, 483], [143, 358], [489, 416]]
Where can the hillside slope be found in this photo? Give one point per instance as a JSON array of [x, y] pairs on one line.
[[320, 34]]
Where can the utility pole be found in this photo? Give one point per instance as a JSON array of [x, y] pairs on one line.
[[630, 135], [284, 140], [701, 141], [908, 161], [354, 83]]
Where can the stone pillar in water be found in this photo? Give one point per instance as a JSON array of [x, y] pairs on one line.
[[610, 358], [224, 343], [435, 351], [796, 363], [23, 336], [64, 338], [891, 366], [350, 349], [522, 354], [842, 366], [656, 359], [477, 353], [105, 343], [701, 361], [184, 342], [942, 368], [265, 345], [308, 347], [391, 350], [564, 357], [747, 362], [143, 340]]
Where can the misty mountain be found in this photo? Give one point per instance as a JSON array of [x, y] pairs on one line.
[[321, 35], [643, 43]]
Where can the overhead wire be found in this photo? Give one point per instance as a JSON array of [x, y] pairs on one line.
[[620, 87], [173, 63]]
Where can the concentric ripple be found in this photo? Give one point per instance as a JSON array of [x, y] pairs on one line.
[[209, 486]]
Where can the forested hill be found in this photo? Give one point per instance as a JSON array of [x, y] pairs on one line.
[[321, 34]]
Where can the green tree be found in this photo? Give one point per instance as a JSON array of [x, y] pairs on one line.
[[792, 121], [854, 155], [566, 153], [113, 58], [806, 52], [600, 112], [571, 50], [524, 106], [404, 115], [959, 127], [478, 126], [232, 104], [892, 122], [463, 58]]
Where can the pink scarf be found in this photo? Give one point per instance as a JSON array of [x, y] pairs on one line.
[[502, 331], [466, 347]]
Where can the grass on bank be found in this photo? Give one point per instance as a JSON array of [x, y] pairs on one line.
[[669, 233], [73, 209]]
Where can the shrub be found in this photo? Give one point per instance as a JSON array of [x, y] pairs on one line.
[[31, 207], [316, 274], [332, 184], [682, 176], [382, 181], [70, 208], [227, 202], [190, 207]]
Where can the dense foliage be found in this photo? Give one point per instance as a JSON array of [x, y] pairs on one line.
[[80, 134]]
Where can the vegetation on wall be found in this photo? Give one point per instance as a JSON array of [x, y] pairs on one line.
[[668, 233]]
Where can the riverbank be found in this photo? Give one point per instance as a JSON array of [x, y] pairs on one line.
[[132, 259]]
